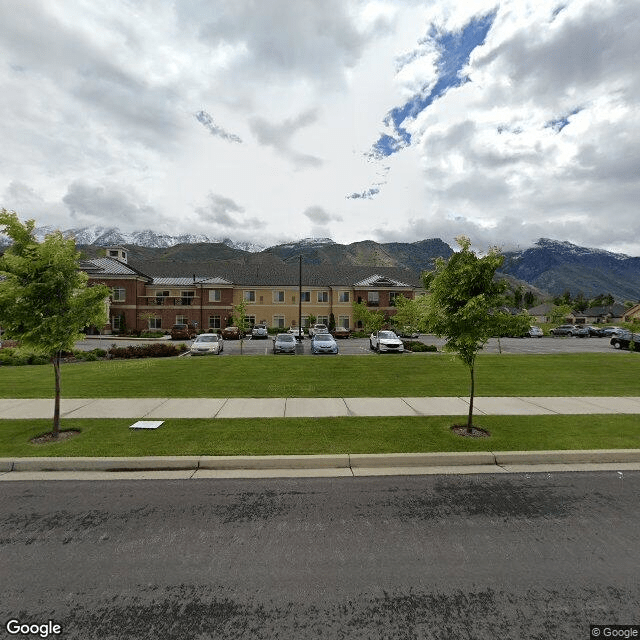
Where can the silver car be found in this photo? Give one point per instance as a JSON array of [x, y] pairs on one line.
[[323, 343], [284, 343]]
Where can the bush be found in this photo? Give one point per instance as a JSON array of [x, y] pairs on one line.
[[151, 334], [417, 346], [158, 350]]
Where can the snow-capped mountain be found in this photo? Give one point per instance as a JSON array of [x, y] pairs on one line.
[[110, 236]]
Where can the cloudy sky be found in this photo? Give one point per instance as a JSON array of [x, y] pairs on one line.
[[273, 120]]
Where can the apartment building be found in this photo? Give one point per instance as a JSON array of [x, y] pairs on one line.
[[158, 295]]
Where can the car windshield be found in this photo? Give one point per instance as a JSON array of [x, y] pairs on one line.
[[207, 339], [387, 335], [285, 338], [323, 337]]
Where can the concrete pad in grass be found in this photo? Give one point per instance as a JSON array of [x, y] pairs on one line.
[[379, 407], [569, 405], [315, 408], [252, 408]]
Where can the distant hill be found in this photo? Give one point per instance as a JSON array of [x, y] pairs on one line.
[[557, 267], [550, 266]]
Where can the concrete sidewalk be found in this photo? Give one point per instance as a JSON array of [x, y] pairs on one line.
[[213, 408]]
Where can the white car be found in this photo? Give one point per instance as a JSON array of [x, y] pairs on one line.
[[207, 343], [318, 328], [297, 332], [385, 341]]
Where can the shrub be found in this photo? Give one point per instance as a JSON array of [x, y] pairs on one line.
[[417, 346], [158, 350]]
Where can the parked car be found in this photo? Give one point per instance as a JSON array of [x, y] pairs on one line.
[[612, 331], [596, 332], [207, 343], [406, 332], [232, 333], [341, 332], [563, 330], [385, 341], [323, 343], [284, 343], [624, 340], [183, 331], [581, 331], [259, 332], [318, 328], [298, 332], [535, 332]]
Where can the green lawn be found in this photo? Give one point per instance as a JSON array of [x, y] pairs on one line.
[[614, 374], [286, 436]]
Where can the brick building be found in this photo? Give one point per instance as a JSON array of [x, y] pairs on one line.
[[156, 295]]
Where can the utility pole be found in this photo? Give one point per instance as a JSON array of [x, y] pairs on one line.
[[300, 296]]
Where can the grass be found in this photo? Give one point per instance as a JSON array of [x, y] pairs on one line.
[[611, 374], [321, 436]]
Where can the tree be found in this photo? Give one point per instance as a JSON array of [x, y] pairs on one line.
[[371, 320], [559, 313], [242, 323], [44, 298], [462, 298], [410, 313]]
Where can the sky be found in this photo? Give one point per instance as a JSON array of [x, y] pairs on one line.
[[275, 120]]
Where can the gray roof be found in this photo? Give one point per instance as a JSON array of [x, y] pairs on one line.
[[105, 267], [279, 274]]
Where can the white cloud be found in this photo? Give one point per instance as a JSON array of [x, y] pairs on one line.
[[98, 104]]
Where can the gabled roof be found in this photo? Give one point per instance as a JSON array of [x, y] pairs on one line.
[[109, 267], [185, 282], [615, 310], [377, 280]]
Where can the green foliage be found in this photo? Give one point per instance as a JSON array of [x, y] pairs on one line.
[[463, 297], [44, 299], [559, 313], [411, 313], [371, 320], [157, 350]]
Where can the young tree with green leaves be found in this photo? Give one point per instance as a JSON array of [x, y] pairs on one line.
[[371, 320], [242, 323], [44, 298], [411, 313], [462, 298]]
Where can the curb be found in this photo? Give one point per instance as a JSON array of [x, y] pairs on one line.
[[342, 461]]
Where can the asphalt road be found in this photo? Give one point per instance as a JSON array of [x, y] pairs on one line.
[[537, 556], [360, 346]]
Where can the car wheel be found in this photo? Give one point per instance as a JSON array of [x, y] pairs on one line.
[[617, 345]]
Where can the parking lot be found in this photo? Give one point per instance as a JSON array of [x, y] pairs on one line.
[[360, 346]]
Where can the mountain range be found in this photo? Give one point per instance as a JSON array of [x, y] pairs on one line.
[[550, 267]]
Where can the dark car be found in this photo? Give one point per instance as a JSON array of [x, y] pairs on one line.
[[594, 332], [232, 333], [284, 343], [624, 340], [341, 332], [183, 331]]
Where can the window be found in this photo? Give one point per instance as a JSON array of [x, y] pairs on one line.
[[155, 323], [182, 320], [373, 299], [306, 296], [322, 320], [393, 295], [160, 297], [249, 296], [214, 322], [250, 320], [119, 294], [278, 321], [116, 322], [186, 297], [344, 296], [323, 296], [278, 296], [215, 295], [343, 321]]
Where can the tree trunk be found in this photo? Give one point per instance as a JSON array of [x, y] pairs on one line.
[[471, 394], [56, 407]]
